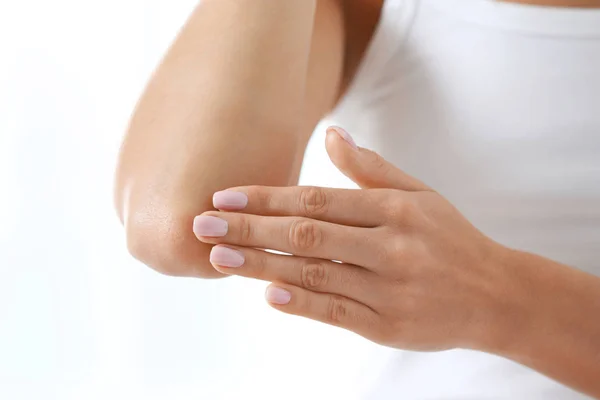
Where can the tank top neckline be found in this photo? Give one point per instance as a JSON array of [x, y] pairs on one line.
[[523, 18]]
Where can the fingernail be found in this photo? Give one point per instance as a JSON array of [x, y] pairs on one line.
[[277, 295], [230, 200], [344, 135], [210, 226], [226, 257]]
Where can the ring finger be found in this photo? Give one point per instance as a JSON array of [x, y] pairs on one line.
[[308, 273]]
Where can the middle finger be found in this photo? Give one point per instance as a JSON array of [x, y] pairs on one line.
[[298, 236]]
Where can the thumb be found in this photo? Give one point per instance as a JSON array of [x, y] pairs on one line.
[[366, 168]]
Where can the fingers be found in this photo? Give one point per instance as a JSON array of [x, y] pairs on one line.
[[311, 274], [328, 308], [340, 206], [298, 236], [368, 169]]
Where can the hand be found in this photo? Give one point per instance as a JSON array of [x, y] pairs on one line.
[[409, 272]]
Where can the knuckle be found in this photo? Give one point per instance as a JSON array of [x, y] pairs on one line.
[[259, 195], [397, 249], [391, 251], [399, 206], [314, 275], [254, 192], [390, 204], [337, 310], [402, 208], [245, 229], [313, 201], [259, 269], [305, 235]]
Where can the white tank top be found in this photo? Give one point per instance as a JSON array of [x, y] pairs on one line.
[[496, 106]]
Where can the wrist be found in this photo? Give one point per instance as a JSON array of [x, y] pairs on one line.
[[541, 315], [507, 311]]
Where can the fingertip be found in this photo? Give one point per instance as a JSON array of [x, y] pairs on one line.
[[342, 155], [226, 257], [230, 200], [209, 226], [338, 132], [277, 296]]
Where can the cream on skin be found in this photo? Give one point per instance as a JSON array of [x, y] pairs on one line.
[[414, 273]]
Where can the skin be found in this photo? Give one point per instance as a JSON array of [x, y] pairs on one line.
[[224, 84], [230, 106], [414, 273]]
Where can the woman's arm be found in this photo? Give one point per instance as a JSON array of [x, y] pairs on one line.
[[234, 102], [554, 326]]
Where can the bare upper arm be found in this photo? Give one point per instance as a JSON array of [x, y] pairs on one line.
[[342, 33], [325, 73], [196, 131]]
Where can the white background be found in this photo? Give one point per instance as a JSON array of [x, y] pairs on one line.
[[79, 319]]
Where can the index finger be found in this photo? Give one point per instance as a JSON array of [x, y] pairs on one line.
[[361, 208]]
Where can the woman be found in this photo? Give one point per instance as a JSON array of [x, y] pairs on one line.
[[493, 105]]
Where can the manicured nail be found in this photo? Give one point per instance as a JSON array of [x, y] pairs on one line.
[[277, 295], [230, 200], [344, 135], [210, 226], [226, 257]]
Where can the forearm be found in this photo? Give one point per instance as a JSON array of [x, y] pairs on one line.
[[226, 107], [552, 321]]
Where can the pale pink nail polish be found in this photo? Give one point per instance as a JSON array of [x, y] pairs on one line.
[[230, 200], [344, 135], [226, 257], [276, 295], [210, 226]]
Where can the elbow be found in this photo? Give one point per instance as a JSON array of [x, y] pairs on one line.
[[162, 238], [159, 227]]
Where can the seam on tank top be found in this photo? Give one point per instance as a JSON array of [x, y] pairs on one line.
[[516, 30], [525, 32]]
